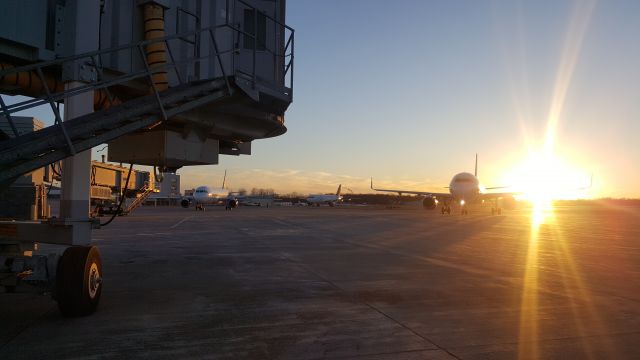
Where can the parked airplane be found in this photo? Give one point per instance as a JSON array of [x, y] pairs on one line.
[[464, 189], [204, 195], [331, 200]]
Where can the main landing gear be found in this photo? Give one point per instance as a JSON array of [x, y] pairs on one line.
[[496, 210], [78, 283], [446, 209]]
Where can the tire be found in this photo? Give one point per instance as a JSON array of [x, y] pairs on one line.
[[79, 281]]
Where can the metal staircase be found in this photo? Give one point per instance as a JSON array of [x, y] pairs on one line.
[[138, 200], [34, 150]]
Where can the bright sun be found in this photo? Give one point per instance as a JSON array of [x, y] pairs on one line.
[[543, 177]]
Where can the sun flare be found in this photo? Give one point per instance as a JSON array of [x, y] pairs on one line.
[[544, 176]]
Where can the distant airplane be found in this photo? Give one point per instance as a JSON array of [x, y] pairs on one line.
[[204, 195], [464, 189], [331, 200]]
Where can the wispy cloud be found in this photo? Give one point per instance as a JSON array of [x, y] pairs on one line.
[[290, 180]]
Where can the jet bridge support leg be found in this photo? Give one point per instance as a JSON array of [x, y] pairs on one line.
[[78, 283], [76, 174]]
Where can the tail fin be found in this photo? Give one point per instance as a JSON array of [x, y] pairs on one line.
[[475, 172], [224, 179], [339, 189]]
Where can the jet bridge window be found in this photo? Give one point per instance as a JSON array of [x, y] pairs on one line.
[[249, 25]]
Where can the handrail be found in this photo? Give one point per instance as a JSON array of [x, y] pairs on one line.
[[93, 53], [90, 60], [104, 83]]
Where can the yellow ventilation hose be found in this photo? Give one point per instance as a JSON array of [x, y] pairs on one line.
[[156, 52], [31, 85]]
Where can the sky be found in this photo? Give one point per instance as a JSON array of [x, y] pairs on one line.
[[407, 92]]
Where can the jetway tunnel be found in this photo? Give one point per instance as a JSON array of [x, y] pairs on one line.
[[166, 83]]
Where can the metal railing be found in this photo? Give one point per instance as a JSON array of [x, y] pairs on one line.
[[89, 60], [287, 51]]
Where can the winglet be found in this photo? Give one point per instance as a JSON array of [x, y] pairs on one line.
[[224, 179], [339, 189], [475, 172], [372, 184]]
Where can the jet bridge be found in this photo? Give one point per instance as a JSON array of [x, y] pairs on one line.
[[167, 83]]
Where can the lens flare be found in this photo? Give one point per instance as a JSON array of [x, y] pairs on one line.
[[545, 176]]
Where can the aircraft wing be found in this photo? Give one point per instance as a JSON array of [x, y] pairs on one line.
[[413, 192]]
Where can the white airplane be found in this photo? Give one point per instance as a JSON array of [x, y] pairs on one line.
[[204, 195], [328, 199], [464, 189]]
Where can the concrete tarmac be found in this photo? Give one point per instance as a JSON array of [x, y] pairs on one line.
[[342, 283]]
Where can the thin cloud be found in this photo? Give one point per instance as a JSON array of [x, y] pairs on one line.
[[290, 180]]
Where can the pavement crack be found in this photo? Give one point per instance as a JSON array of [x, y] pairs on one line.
[[339, 288]]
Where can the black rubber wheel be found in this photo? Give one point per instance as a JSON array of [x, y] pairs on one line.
[[79, 281]]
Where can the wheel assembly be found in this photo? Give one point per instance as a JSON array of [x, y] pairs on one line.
[[78, 283]]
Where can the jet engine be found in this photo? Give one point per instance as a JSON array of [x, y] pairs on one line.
[[232, 204], [184, 203], [429, 202]]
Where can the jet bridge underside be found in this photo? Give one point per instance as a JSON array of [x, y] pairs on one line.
[[198, 135]]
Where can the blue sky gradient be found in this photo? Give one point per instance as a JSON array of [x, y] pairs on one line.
[[408, 91]]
